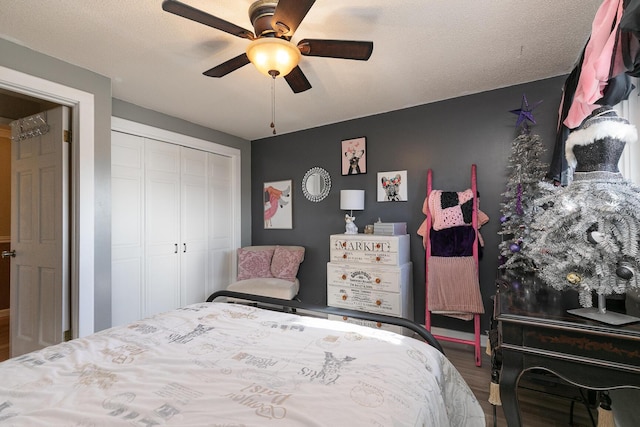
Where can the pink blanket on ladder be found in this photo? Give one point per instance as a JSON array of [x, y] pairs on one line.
[[454, 288]]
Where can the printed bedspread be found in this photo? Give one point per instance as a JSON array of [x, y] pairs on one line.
[[218, 364]]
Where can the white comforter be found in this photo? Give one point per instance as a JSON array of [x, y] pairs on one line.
[[218, 364]]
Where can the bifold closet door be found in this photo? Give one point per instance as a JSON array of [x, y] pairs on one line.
[[127, 227], [193, 226], [221, 262], [161, 227], [172, 226]]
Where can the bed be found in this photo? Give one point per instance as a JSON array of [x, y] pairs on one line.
[[222, 364]]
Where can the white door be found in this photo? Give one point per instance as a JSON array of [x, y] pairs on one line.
[[173, 225], [162, 227], [222, 255], [40, 233], [127, 227], [193, 228]]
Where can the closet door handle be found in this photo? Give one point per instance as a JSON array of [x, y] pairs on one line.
[[176, 249], [185, 248]]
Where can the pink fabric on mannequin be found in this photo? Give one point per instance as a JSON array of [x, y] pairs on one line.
[[596, 67]]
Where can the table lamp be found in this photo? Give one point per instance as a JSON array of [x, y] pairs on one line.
[[351, 200]]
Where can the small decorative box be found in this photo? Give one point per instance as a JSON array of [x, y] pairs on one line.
[[389, 228]]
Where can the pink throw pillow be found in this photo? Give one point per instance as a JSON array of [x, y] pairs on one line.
[[286, 262], [254, 263]]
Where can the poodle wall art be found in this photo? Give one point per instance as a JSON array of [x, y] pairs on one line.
[[277, 204], [354, 160], [392, 186]]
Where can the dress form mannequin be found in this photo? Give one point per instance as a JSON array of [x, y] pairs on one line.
[[586, 236]]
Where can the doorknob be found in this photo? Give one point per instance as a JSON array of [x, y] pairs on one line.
[[6, 254]]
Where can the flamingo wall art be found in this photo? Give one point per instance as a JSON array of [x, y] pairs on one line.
[[277, 204]]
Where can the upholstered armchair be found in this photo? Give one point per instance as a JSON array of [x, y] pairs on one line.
[[268, 270]]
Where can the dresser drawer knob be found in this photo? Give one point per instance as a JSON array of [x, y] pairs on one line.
[[378, 280], [345, 318], [379, 325], [344, 277], [377, 258], [377, 245], [344, 297], [378, 302], [344, 244], [344, 256]]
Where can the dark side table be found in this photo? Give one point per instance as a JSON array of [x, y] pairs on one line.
[[536, 332]]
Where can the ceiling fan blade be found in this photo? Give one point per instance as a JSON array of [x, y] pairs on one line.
[[297, 80], [289, 14], [345, 49], [228, 66], [189, 12]]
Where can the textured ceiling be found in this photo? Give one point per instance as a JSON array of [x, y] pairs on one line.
[[424, 51]]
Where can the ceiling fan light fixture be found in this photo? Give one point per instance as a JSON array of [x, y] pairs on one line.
[[271, 55]]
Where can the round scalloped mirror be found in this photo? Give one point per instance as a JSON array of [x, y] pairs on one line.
[[316, 184]]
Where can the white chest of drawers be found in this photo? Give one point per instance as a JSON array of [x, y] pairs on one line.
[[371, 273]]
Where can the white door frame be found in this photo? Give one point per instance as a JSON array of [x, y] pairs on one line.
[[82, 187]]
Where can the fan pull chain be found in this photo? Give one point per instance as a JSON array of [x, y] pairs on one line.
[[273, 103]]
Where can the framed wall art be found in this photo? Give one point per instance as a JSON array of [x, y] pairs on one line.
[[277, 197], [392, 186], [354, 156]]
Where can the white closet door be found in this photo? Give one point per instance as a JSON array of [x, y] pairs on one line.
[[193, 230], [127, 227], [174, 223], [222, 221], [162, 227]]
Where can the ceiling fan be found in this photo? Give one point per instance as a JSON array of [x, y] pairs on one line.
[[274, 22]]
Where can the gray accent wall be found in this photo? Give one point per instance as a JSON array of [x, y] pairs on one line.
[[447, 137]]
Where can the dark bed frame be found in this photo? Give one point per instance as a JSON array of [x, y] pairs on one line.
[[293, 305]]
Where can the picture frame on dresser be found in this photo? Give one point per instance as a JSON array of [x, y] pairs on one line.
[[277, 199]]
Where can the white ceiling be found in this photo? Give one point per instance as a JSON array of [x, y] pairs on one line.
[[424, 51]]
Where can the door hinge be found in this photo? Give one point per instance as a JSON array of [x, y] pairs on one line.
[[67, 136], [67, 335]]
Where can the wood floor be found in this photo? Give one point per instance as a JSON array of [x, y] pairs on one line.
[[537, 409]]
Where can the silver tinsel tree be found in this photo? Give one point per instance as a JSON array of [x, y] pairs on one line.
[[526, 172], [586, 236]]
